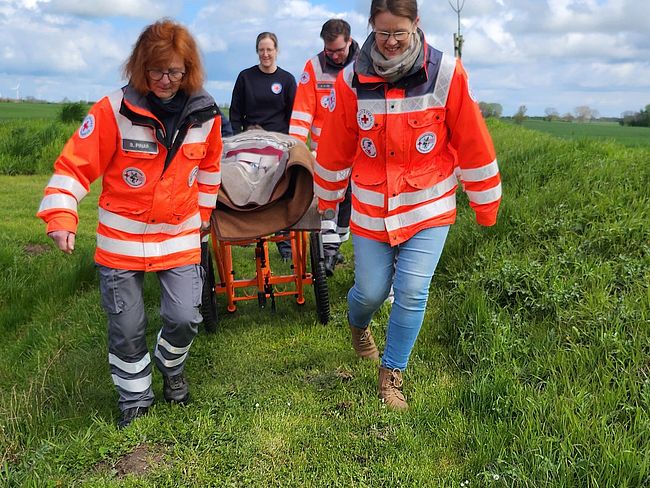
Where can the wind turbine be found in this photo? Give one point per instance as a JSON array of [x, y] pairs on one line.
[[17, 92]]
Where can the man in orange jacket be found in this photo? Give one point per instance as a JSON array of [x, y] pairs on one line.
[[310, 108], [156, 143]]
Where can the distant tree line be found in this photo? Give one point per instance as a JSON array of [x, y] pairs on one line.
[[638, 119]]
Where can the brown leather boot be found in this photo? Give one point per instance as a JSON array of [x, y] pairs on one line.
[[390, 389], [363, 343]]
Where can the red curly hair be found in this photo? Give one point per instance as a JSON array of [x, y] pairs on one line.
[[156, 46]]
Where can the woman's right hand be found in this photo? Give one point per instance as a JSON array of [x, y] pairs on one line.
[[64, 240]]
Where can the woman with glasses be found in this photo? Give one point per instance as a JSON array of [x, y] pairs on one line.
[[402, 118], [156, 144]]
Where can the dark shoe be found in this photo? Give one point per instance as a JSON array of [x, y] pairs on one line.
[[176, 389], [130, 414], [340, 258], [330, 264]]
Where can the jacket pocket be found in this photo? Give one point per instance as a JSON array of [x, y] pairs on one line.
[[195, 150]]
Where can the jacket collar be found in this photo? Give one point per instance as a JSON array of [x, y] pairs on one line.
[[366, 76]]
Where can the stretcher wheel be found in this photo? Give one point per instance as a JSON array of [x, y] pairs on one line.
[[208, 296], [319, 277]]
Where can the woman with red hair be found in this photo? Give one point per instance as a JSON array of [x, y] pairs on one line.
[[156, 144]]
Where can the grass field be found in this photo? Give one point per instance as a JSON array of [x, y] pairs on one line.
[[28, 110], [628, 136], [532, 368]]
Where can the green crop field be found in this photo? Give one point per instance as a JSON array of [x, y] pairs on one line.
[[602, 131], [28, 110], [532, 368]]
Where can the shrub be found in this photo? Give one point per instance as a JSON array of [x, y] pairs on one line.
[[73, 112]]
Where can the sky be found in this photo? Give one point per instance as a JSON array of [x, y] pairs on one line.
[[543, 54]]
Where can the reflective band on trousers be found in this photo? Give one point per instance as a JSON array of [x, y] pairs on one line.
[[170, 363], [149, 249], [131, 368], [118, 222], [480, 174], [69, 184], [172, 349], [485, 196], [133, 386]]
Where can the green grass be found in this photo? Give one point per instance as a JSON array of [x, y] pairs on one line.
[[628, 136], [532, 368], [29, 110]]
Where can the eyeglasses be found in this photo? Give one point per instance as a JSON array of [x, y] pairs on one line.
[[398, 35], [332, 52], [173, 75]]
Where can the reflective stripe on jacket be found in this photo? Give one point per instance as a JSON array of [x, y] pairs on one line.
[[400, 143], [312, 100], [153, 197]]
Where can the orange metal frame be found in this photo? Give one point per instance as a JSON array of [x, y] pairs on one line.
[[264, 279]]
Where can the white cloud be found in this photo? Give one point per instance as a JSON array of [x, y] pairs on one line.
[[541, 53]]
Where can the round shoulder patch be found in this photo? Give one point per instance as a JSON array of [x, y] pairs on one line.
[[325, 101], [426, 142], [134, 177], [192, 178], [368, 147], [304, 78], [365, 119], [332, 100], [276, 88], [87, 126]]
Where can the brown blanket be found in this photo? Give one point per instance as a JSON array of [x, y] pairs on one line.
[[267, 185]]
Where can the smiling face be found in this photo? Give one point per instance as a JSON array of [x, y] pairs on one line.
[[268, 54], [165, 88], [385, 22]]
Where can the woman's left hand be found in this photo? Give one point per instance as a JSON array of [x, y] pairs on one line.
[[205, 225]]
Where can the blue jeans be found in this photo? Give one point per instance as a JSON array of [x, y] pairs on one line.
[[409, 267]]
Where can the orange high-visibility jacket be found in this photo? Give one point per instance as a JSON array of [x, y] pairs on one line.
[[400, 143], [311, 104], [153, 197]]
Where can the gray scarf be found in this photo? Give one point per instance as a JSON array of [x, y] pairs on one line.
[[394, 68]]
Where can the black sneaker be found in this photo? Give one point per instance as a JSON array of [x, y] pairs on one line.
[[176, 389], [130, 414], [340, 258]]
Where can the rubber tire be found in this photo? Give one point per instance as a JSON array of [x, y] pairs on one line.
[[321, 292], [208, 297]]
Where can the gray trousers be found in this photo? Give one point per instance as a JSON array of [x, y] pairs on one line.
[[336, 231], [128, 354]]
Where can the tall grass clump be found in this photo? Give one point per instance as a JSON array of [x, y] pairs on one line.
[[548, 314], [30, 147]]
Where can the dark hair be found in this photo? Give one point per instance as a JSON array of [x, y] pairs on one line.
[[265, 35], [401, 8], [334, 28], [157, 45]]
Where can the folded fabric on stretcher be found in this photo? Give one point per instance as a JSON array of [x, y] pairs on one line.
[[266, 186]]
